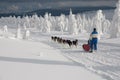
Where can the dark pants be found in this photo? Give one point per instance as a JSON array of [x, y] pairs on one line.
[[94, 44]]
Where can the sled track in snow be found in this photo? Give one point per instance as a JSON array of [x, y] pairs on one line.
[[94, 66], [104, 62], [95, 62]]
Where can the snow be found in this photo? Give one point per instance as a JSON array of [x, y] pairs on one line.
[[115, 22], [27, 51], [41, 58], [28, 60], [26, 71], [73, 24], [18, 34]]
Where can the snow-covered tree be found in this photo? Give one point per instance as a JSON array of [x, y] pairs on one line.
[[24, 26], [72, 28], [5, 28], [61, 23], [19, 34], [83, 24], [27, 22], [115, 24], [79, 23], [72, 23], [47, 24], [105, 26], [26, 34], [98, 21]]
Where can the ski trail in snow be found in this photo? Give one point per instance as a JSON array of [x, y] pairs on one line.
[[96, 62], [92, 65], [104, 62]]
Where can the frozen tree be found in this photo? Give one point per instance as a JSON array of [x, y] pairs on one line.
[[98, 20], [35, 21], [72, 28], [72, 24], [24, 26], [79, 23], [18, 34], [27, 21], [5, 28], [53, 22], [83, 24], [61, 23], [5, 32], [90, 25], [26, 34], [47, 24], [66, 24], [115, 24], [106, 25]]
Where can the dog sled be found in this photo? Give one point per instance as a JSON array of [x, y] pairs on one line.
[[86, 47]]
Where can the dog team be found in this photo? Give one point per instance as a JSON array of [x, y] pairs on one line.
[[65, 41]]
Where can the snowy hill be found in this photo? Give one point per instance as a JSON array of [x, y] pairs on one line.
[[28, 60], [41, 58], [28, 50]]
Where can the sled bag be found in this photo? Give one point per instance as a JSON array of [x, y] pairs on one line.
[[86, 47]]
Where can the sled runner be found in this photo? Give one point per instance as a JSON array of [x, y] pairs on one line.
[[86, 47]]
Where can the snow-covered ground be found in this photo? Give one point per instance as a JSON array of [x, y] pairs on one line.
[[28, 53], [30, 60], [41, 58]]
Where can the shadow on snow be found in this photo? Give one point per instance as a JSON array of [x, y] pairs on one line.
[[36, 61]]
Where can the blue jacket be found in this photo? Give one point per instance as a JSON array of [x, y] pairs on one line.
[[94, 37], [94, 34]]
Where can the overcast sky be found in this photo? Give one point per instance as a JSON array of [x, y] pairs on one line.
[[29, 5]]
